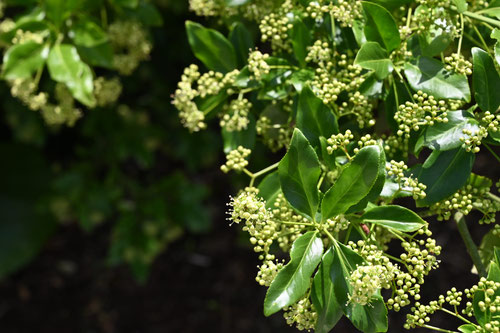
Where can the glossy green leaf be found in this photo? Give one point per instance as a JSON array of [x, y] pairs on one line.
[[446, 136], [372, 56], [242, 42], [65, 66], [485, 80], [430, 76], [299, 172], [314, 118], [293, 280], [394, 217], [100, 55], [380, 26], [353, 184], [376, 188], [444, 172], [467, 328], [495, 34], [145, 13], [57, 11], [300, 78], [323, 296], [211, 48], [370, 318], [88, 34], [301, 40], [21, 61], [269, 188], [127, 3], [461, 5]]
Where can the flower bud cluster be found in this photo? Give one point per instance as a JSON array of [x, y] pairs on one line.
[[458, 64], [397, 171], [366, 280], [426, 110], [268, 271], [359, 106], [338, 223], [365, 141], [64, 112], [344, 11], [236, 159], [490, 303], [339, 141], [205, 7], [24, 90], [275, 26], [302, 314], [283, 212], [257, 64], [319, 52], [22, 37], [275, 136], [210, 83], [107, 91], [131, 44], [464, 200], [258, 219], [236, 118]]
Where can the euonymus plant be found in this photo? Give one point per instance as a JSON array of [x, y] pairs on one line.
[[349, 93]]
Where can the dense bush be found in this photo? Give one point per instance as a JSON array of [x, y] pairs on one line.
[[382, 107]]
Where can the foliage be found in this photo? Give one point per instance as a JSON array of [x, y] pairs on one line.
[[108, 167], [356, 91]]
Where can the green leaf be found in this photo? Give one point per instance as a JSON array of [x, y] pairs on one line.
[[485, 80], [467, 328], [57, 11], [323, 296], [376, 188], [314, 118], [211, 48], [299, 173], [380, 26], [369, 318], [495, 34], [461, 5], [494, 12], [300, 79], [444, 172], [22, 60], [301, 39], [242, 42], [234, 3], [99, 56], [145, 13], [372, 56], [446, 136], [65, 66], [430, 76], [269, 188], [487, 247], [88, 34], [353, 184], [293, 280], [394, 217]]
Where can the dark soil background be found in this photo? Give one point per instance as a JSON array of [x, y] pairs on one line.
[[201, 283]]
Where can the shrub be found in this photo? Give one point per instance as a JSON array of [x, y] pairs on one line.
[[356, 92]]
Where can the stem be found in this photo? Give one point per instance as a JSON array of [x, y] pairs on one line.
[[469, 243], [263, 171], [456, 315], [481, 38], [394, 258], [461, 34], [492, 152], [334, 241], [297, 223], [438, 329], [493, 197], [478, 17]]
